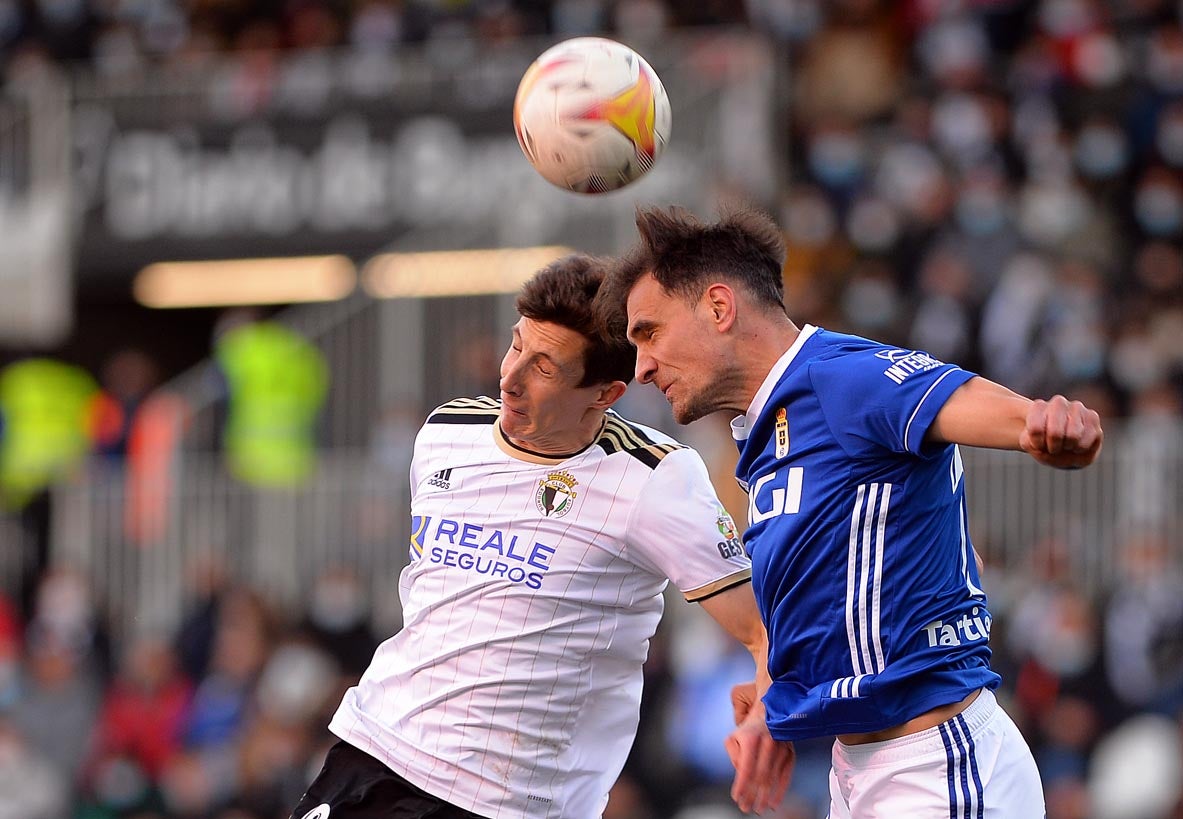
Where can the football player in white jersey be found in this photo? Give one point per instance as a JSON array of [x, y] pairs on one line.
[[863, 567], [544, 530]]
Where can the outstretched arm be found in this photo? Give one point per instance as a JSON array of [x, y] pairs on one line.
[[763, 766], [1056, 432]]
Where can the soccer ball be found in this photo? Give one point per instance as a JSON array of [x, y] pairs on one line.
[[591, 115]]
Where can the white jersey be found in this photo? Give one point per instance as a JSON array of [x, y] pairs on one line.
[[534, 587]]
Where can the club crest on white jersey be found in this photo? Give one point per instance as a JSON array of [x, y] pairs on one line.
[[556, 494]]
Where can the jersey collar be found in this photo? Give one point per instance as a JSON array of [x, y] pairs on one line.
[[742, 425], [522, 454]]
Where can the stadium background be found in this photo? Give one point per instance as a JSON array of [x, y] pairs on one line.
[[996, 182]]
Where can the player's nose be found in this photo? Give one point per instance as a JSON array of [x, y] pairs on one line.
[[646, 368], [510, 383]]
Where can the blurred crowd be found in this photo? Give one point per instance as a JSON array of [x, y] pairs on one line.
[[119, 36], [225, 717], [1001, 184], [997, 182]]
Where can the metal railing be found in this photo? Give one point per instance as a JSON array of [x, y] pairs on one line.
[[353, 514]]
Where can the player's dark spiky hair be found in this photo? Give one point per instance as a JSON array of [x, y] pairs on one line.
[[685, 255], [563, 293]]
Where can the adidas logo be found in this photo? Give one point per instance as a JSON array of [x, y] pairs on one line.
[[441, 479]]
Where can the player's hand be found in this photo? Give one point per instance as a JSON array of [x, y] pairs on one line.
[[1062, 433], [763, 766], [743, 697]]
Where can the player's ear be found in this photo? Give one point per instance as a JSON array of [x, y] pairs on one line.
[[609, 394], [720, 301]]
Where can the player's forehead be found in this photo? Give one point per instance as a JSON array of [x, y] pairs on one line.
[[562, 344], [647, 303]]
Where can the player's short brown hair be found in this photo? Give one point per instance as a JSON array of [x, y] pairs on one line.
[[685, 255], [563, 293]]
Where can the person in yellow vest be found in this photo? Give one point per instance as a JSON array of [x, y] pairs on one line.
[[47, 408], [46, 413], [276, 382]]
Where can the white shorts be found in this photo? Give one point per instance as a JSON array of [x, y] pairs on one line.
[[975, 766]]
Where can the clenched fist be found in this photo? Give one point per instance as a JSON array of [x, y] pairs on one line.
[[1062, 433]]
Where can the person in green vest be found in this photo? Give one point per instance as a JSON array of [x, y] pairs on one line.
[[276, 382], [47, 408]]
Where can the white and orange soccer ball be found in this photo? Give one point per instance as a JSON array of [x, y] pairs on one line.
[[591, 115]]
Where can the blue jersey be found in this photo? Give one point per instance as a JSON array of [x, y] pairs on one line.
[[861, 559]]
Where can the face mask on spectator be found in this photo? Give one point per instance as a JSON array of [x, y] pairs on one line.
[[980, 211], [961, 126], [64, 604], [1070, 650], [871, 302], [873, 225], [1134, 363], [809, 220], [336, 605], [1050, 212], [1101, 151], [836, 159], [1159, 209]]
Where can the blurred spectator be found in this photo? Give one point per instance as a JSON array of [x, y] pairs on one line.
[[206, 588], [33, 788], [143, 712], [221, 701], [338, 620], [140, 430], [276, 384], [296, 693], [59, 700], [127, 377], [852, 69], [1144, 626], [1151, 484], [66, 660]]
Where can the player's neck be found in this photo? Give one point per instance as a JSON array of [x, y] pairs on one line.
[[564, 443], [765, 343]]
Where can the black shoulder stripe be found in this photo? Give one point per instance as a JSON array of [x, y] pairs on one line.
[[626, 433], [462, 418], [615, 439], [644, 455], [466, 411]]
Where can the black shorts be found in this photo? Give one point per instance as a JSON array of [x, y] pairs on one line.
[[354, 785]]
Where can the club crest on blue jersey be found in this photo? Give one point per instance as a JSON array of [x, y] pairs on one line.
[[556, 494], [782, 432]]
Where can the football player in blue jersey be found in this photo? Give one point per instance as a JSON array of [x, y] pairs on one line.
[[862, 562]]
